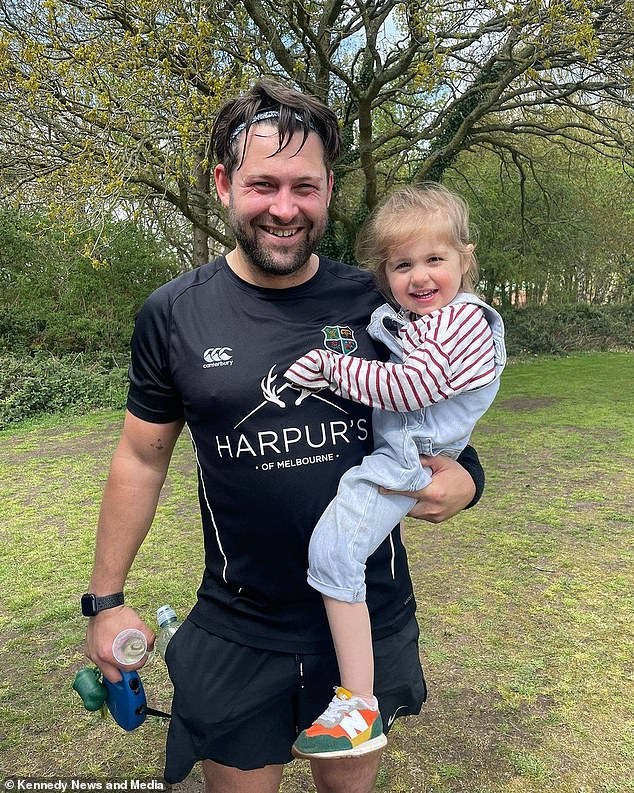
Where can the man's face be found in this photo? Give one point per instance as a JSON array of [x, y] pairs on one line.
[[278, 205]]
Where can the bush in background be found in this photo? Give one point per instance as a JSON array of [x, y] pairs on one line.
[[66, 289], [31, 386], [68, 297], [559, 329], [68, 300]]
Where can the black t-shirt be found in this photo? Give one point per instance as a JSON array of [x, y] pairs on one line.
[[212, 349]]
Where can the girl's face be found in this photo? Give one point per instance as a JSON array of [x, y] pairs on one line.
[[425, 273]]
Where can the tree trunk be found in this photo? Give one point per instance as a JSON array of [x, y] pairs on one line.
[[199, 202]]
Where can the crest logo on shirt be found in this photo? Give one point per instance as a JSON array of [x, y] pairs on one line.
[[339, 338]]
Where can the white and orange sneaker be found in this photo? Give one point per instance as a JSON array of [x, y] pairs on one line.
[[349, 727]]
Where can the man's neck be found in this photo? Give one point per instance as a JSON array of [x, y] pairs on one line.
[[243, 268]]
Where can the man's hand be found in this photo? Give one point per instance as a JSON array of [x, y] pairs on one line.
[[102, 630], [451, 489]]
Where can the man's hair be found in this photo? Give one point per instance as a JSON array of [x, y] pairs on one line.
[[404, 216], [289, 110]]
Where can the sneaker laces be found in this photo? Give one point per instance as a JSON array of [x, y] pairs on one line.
[[340, 705]]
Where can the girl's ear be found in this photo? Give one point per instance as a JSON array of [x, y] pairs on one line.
[[467, 259]]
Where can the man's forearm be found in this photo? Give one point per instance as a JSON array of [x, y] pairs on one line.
[[137, 473]]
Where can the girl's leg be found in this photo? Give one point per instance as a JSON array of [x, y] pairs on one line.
[[350, 726], [352, 637]]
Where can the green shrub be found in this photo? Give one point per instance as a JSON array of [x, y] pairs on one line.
[[560, 329], [63, 292], [40, 384]]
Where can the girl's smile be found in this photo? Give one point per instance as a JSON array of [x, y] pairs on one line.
[[426, 272]]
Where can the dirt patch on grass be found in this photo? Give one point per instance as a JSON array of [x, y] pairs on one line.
[[459, 731], [524, 404], [188, 785], [601, 434], [53, 443]]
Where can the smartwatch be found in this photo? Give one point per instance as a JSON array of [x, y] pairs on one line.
[[92, 604]]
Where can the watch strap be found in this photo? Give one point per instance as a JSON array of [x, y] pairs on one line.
[[109, 601]]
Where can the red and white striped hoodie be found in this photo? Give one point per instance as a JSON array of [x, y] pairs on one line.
[[446, 352]]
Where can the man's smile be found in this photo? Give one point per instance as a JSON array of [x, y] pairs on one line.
[[276, 232]]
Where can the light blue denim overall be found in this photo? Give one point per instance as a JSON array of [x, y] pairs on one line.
[[359, 518]]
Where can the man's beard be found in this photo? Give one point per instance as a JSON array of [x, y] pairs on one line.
[[273, 262]]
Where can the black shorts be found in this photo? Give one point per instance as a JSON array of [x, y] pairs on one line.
[[244, 707]]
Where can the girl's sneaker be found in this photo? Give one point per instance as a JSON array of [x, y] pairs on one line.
[[349, 727]]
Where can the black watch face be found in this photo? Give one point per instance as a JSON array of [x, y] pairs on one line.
[[88, 605]]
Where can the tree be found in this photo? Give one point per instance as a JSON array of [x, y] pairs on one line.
[[114, 99], [559, 231]]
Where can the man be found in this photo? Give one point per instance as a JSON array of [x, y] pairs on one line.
[[253, 663]]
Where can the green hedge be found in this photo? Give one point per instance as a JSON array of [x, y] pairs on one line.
[[559, 329], [40, 384], [63, 292]]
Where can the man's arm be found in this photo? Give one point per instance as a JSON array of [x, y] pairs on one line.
[[455, 485], [137, 473]]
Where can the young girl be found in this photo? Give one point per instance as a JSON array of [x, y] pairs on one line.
[[447, 356]]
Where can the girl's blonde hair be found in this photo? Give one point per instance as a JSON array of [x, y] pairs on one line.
[[406, 214]]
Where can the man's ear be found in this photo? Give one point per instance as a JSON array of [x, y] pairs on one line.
[[223, 184], [331, 181]]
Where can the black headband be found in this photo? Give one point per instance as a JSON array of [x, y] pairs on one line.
[[265, 115]]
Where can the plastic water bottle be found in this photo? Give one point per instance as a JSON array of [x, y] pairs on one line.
[[168, 624]]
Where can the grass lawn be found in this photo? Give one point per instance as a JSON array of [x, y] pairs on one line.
[[526, 603]]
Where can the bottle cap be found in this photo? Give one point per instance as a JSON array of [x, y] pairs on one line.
[[165, 614]]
